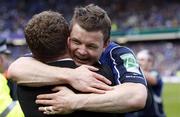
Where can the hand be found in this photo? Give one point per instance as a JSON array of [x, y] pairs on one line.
[[85, 80], [60, 102]]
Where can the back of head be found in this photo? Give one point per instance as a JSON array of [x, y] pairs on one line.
[[46, 34], [92, 18]]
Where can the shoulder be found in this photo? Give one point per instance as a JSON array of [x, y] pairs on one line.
[[120, 52], [105, 70], [114, 48], [63, 63]]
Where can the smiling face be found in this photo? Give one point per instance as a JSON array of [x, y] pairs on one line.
[[85, 47]]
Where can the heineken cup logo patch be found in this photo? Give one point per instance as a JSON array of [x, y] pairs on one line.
[[130, 63]]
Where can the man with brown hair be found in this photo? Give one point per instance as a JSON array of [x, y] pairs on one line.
[[46, 35], [89, 37], [89, 23]]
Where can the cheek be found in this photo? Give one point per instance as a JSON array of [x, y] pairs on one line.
[[71, 51], [72, 47], [95, 55], [142, 64]]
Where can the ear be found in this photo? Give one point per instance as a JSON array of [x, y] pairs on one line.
[[68, 41], [106, 44]]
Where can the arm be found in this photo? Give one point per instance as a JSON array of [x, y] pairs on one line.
[[30, 72], [123, 98], [151, 79]]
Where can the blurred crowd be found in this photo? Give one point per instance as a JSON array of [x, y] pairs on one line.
[[166, 55], [126, 15]]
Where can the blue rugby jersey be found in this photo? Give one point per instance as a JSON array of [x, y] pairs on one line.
[[157, 89], [156, 109], [123, 64]]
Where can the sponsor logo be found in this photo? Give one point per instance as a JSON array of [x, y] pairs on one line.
[[130, 63]]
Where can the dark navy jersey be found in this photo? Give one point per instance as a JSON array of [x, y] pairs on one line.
[[123, 64], [157, 89], [156, 108], [27, 95]]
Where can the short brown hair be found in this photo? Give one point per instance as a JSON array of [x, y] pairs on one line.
[[46, 35], [92, 18]]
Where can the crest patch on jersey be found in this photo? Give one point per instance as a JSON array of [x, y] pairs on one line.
[[130, 63]]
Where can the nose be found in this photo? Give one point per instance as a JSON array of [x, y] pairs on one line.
[[82, 50]]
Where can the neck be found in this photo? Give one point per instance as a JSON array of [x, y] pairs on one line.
[[47, 60]]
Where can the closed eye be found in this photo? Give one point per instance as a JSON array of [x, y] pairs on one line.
[[75, 41], [92, 47]]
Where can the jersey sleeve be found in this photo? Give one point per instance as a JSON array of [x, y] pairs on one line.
[[125, 66]]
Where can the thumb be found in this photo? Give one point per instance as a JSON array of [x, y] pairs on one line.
[[92, 68], [57, 88]]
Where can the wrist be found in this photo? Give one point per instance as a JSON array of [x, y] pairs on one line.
[[69, 76], [80, 101], [64, 75]]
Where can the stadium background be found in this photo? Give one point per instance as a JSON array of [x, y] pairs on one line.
[[138, 24]]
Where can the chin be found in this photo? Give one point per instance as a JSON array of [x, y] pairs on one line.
[[79, 64]]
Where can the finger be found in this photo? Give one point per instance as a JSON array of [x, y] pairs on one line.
[[42, 109], [91, 68], [49, 108], [45, 102], [57, 88], [50, 113], [102, 86], [95, 90], [45, 96], [46, 108], [102, 78]]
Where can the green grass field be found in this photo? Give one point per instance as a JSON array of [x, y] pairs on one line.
[[171, 98]]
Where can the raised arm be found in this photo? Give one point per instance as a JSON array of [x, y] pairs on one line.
[[30, 72], [123, 98]]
